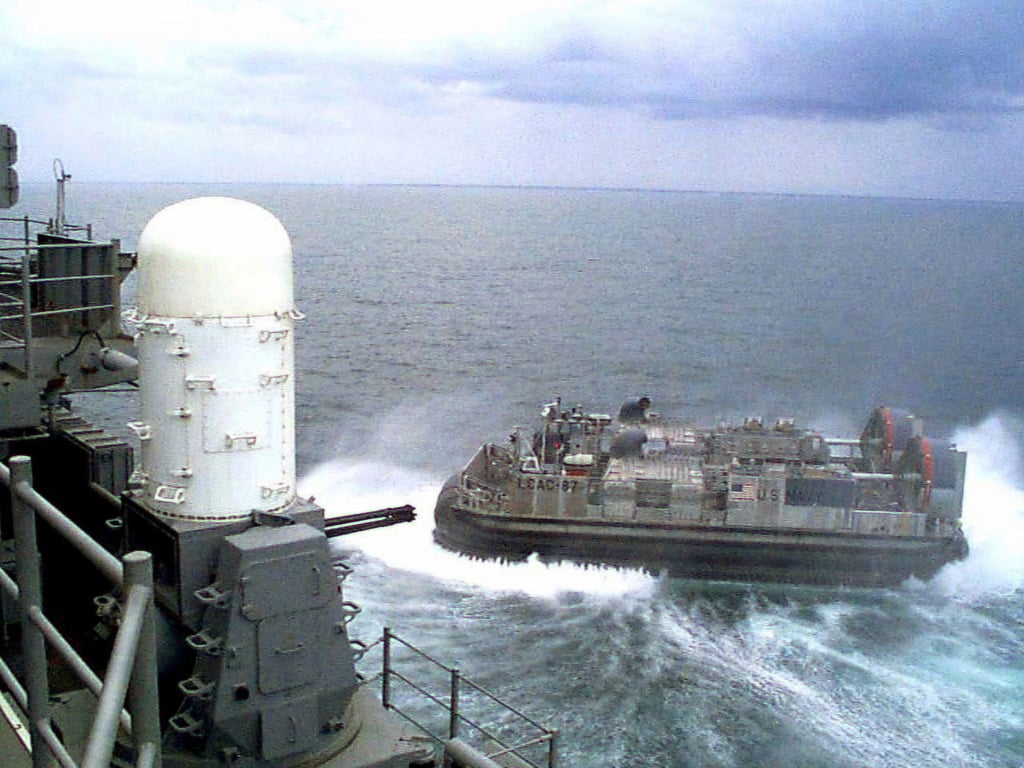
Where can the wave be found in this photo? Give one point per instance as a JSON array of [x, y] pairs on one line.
[[993, 516], [344, 486], [993, 523], [631, 666]]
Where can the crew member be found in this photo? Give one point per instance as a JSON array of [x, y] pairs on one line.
[[635, 411]]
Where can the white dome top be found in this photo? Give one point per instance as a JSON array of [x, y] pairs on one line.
[[216, 257]]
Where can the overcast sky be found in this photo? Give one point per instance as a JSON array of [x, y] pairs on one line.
[[865, 97]]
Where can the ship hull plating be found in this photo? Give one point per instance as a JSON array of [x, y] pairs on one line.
[[711, 553]]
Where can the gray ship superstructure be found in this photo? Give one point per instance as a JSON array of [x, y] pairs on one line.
[[752, 502], [198, 583]]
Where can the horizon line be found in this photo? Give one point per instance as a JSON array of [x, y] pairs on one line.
[[557, 187]]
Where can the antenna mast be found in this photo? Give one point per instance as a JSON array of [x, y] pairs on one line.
[[60, 225]]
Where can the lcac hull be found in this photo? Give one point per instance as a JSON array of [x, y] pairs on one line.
[[699, 552]]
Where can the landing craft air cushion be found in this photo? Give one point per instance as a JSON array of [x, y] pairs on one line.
[[753, 502]]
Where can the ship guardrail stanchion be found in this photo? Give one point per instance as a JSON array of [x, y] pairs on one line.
[[454, 746], [132, 668], [385, 686], [30, 585], [134, 652], [144, 694], [26, 300], [453, 719]]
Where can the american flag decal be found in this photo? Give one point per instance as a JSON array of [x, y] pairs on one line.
[[746, 491]]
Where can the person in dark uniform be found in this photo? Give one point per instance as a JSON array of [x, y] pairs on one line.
[[635, 411]]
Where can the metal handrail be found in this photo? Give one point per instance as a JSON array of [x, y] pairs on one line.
[[20, 219], [52, 312], [34, 246], [59, 279], [49, 224], [452, 706], [131, 671], [19, 259]]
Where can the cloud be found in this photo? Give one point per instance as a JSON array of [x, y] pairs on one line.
[[841, 61], [858, 96], [844, 60]]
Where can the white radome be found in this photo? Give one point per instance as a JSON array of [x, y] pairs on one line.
[[214, 256], [216, 361]]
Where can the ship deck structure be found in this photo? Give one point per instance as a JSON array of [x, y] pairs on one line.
[[183, 607]]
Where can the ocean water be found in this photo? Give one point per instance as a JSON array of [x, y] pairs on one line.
[[439, 318]]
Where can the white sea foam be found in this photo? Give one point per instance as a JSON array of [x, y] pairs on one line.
[[993, 516], [344, 486], [993, 523]]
